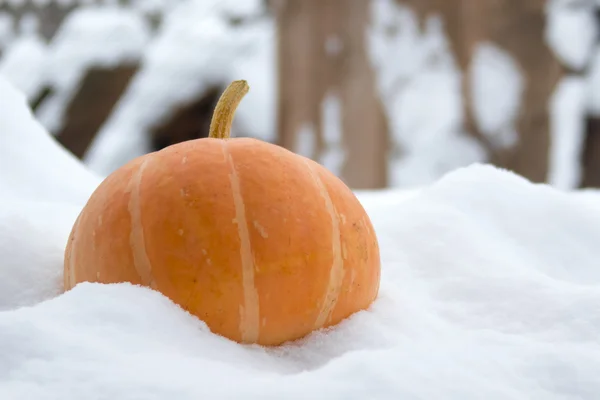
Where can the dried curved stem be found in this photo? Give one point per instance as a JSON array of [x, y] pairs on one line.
[[220, 125]]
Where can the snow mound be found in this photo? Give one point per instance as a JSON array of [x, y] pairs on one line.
[[33, 235], [42, 189], [490, 289], [32, 163]]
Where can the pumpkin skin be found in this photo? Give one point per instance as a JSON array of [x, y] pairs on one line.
[[260, 243]]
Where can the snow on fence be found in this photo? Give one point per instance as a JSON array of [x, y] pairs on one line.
[[114, 79]]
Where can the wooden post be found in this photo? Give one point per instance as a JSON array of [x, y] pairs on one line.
[[297, 49], [591, 154], [49, 16], [516, 27], [325, 74], [99, 92]]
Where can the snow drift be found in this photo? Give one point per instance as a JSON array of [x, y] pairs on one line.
[[42, 189], [490, 289]]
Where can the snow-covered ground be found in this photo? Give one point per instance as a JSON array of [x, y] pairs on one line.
[[490, 290]]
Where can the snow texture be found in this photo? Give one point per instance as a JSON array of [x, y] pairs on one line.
[[36, 173], [42, 189], [196, 50], [89, 37], [420, 85], [333, 156], [571, 31], [490, 290], [24, 64], [496, 85], [567, 130], [26, 57]]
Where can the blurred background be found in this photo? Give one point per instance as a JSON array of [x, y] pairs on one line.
[[384, 93]]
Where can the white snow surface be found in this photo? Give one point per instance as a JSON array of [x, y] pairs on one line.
[[33, 164], [42, 189], [490, 290], [496, 85]]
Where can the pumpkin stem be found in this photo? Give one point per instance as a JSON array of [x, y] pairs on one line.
[[220, 125]]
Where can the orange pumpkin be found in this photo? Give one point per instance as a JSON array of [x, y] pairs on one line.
[[262, 244]]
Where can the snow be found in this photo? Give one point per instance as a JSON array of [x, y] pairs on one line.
[[99, 36], [196, 49], [496, 85], [490, 289], [258, 65], [397, 48], [29, 23], [429, 130], [42, 189], [33, 234], [6, 28], [43, 3], [25, 58], [333, 45], [15, 3], [152, 6], [420, 85], [333, 155], [89, 37], [24, 64], [305, 143], [38, 172], [567, 132], [571, 31], [237, 8]]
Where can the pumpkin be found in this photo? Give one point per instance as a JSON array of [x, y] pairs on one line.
[[262, 244]]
